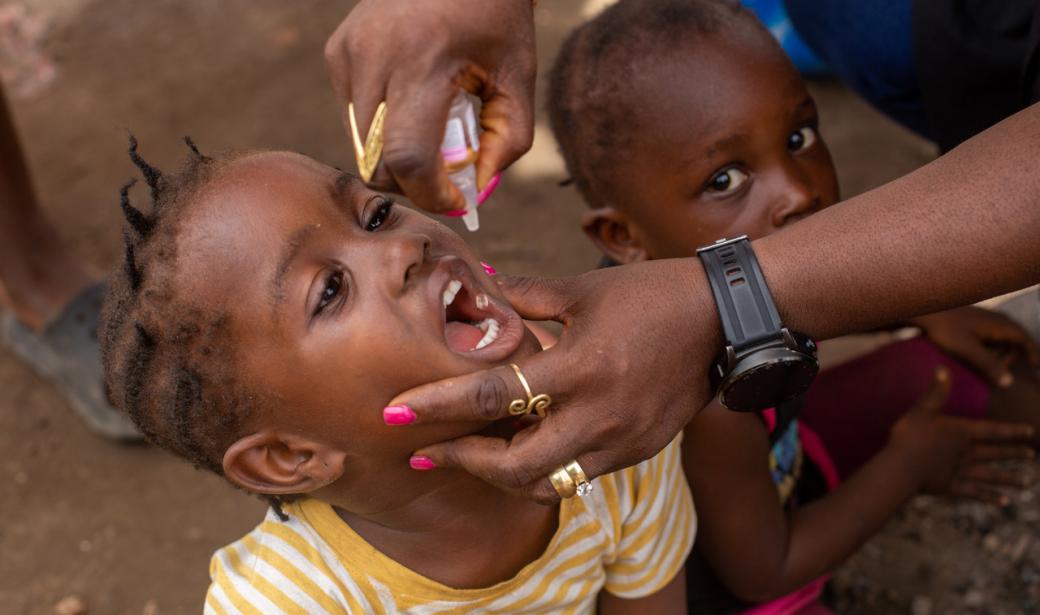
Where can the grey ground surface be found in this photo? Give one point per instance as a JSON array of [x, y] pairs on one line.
[[130, 529]]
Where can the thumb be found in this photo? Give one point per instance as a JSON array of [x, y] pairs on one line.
[[507, 120], [934, 400], [538, 298]]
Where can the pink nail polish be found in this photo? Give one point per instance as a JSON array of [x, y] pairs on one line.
[[488, 189], [398, 415], [454, 213], [421, 462], [488, 269]]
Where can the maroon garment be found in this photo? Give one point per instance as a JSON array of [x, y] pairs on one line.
[[853, 406]]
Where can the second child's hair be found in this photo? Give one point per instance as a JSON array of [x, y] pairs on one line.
[[590, 97], [169, 362]]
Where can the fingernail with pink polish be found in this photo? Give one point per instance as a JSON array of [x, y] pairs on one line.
[[454, 213], [398, 415], [488, 269], [488, 189], [421, 462]]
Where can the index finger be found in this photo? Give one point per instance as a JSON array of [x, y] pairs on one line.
[[995, 431], [480, 396], [1014, 333], [524, 463], [416, 113]]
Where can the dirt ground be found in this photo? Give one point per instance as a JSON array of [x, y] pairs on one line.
[[128, 529]]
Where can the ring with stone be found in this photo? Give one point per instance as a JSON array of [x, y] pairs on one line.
[[563, 483], [582, 484]]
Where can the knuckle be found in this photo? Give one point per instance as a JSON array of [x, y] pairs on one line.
[[490, 397], [406, 158]]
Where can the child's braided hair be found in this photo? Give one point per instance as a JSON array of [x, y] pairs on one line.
[[591, 102], [169, 362]]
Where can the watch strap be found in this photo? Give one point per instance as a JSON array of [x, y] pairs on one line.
[[749, 316]]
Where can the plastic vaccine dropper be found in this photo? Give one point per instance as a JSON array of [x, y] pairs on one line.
[[459, 150]]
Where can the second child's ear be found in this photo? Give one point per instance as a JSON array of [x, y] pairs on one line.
[[273, 463], [613, 234]]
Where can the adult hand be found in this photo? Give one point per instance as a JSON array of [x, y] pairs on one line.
[[986, 340], [415, 56], [625, 377]]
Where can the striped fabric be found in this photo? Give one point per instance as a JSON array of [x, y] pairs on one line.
[[630, 536]]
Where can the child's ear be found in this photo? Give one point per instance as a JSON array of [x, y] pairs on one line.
[[612, 233], [281, 464]]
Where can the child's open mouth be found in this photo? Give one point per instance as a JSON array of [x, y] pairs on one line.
[[474, 322]]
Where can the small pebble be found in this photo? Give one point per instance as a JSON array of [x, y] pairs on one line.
[[991, 542], [974, 598], [150, 608], [921, 605], [70, 605]]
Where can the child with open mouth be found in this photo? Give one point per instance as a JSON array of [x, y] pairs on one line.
[[268, 308]]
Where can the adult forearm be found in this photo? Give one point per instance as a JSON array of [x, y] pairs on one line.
[[960, 229]]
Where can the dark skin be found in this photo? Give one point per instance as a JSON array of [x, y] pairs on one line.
[[753, 166], [38, 274], [927, 249], [335, 304]]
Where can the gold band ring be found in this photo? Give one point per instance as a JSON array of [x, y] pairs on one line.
[[368, 153], [535, 403], [563, 483], [582, 485]]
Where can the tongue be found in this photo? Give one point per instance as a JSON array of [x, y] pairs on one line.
[[462, 336]]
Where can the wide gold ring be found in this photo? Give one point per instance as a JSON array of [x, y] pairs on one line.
[[563, 483], [370, 151], [582, 484], [535, 403]]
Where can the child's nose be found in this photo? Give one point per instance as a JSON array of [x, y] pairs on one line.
[[798, 197], [403, 258]]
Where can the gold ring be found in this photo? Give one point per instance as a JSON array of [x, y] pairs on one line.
[[563, 483], [369, 152], [582, 485], [535, 403]]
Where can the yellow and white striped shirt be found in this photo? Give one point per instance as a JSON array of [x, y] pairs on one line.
[[630, 536]]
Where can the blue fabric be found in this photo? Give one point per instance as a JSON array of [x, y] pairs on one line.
[[869, 46], [774, 16]]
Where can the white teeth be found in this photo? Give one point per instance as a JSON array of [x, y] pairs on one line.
[[482, 301], [449, 293], [490, 328]]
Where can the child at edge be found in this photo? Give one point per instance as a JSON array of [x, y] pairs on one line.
[[682, 122], [268, 308]]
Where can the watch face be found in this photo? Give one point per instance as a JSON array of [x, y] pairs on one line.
[[766, 379]]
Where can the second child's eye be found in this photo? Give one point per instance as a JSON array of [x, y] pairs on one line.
[[380, 214], [803, 138], [727, 181]]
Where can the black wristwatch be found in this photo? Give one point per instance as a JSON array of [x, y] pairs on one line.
[[764, 364]]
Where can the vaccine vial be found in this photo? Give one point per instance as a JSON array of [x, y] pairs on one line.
[[459, 150]]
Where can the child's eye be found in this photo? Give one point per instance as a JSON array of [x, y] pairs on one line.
[[727, 181], [380, 214], [333, 287], [801, 139]]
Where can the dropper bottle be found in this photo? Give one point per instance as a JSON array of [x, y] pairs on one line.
[[459, 150]]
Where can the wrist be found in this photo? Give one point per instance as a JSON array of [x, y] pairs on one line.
[[907, 461]]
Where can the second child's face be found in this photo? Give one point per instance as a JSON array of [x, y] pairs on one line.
[[726, 145], [339, 300]]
